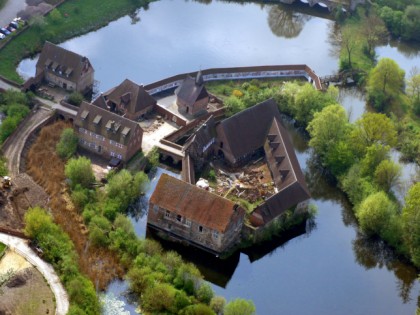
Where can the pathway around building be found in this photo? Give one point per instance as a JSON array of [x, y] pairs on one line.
[[21, 247]]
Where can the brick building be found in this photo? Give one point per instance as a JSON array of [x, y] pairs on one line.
[[107, 134], [191, 96], [64, 68], [194, 215]]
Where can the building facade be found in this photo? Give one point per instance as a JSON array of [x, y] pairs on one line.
[[191, 96], [107, 134], [194, 215], [66, 69]]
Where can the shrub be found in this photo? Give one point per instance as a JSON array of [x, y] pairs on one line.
[[205, 293], [79, 172], [67, 145], [75, 98]]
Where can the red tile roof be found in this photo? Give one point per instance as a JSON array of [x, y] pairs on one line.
[[196, 204]]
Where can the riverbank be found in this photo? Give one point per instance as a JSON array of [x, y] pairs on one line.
[[70, 19]]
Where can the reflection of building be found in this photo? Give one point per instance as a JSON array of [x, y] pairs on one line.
[[191, 96], [107, 134], [127, 99], [194, 215], [64, 68]]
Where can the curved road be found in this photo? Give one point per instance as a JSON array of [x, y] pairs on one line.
[[21, 247]]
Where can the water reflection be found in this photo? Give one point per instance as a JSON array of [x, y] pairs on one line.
[[286, 23], [374, 253]]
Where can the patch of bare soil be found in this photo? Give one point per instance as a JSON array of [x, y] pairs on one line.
[[26, 292]]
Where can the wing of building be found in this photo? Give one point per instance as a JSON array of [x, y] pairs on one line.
[[107, 134], [128, 99], [64, 68], [194, 215]]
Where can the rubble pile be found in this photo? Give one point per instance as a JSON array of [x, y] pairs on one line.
[[253, 184]]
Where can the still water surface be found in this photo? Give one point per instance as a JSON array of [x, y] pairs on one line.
[[332, 269]]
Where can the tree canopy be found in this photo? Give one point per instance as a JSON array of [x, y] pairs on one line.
[[79, 172], [385, 83], [67, 145]]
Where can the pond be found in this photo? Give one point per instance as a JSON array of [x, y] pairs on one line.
[[332, 269]]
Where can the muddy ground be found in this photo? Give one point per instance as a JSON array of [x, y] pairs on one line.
[[26, 292], [15, 201]]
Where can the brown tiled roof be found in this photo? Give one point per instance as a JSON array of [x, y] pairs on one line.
[[192, 89], [63, 60], [246, 131], [191, 202], [133, 96], [105, 123], [288, 176], [202, 135], [100, 101]]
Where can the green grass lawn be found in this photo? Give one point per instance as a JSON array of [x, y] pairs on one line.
[[2, 249], [76, 17]]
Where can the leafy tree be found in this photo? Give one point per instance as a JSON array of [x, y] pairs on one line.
[[375, 213], [411, 223], [67, 145], [348, 40], [240, 307], [158, 298], [374, 32], [125, 188], [233, 105], [329, 130], [75, 98], [308, 101], [217, 304], [413, 90], [373, 128], [79, 171], [197, 309], [205, 293], [411, 23], [393, 19], [387, 174], [17, 110], [55, 16], [375, 154], [82, 292], [37, 221], [385, 83], [356, 187]]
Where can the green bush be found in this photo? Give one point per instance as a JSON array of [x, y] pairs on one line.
[[67, 145]]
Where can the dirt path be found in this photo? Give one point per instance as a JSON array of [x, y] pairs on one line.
[[12, 149], [21, 247]]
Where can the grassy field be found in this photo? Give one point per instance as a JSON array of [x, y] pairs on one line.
[[2, 249], [74, 17]]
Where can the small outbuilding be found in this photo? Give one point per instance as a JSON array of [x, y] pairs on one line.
[[191, 96]]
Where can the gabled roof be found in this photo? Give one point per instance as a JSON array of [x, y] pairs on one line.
[[131, 95], [100, 101], [192, 89], [105, 123], [204, 134], [284, 166], [246, 131], [196, 204], [68, 63]]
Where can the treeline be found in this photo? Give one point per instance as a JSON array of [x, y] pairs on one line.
[[163, 282], [14, 106]]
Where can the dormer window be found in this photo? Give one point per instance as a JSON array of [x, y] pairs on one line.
[[84, 114]]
